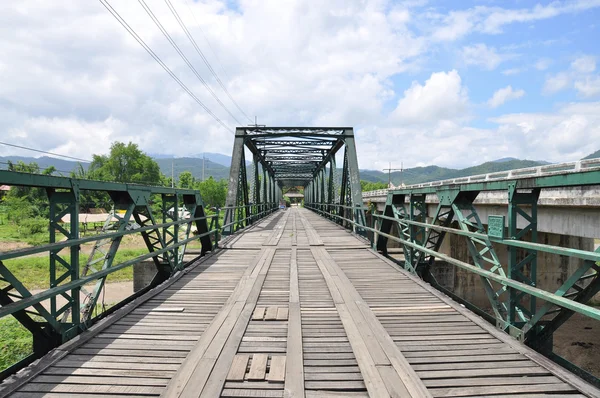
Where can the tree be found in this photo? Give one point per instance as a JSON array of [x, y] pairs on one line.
[[125, 163], [36, 198], [213, 192], [372, 186], [186, 180]]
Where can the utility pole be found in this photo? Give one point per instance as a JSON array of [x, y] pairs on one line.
[[172, 175], [256, 123], [203, 160], [389, 170]]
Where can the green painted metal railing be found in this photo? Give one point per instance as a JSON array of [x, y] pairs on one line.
[[516, 303], [52, 323]]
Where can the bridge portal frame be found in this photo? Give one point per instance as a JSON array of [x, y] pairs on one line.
[[293, 156]]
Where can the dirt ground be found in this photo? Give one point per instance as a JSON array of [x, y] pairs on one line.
[[112, 293], [578, 340], [129, 242]]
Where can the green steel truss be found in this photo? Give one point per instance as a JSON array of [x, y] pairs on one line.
[[292, 156], [517, 305], [80, 286], [425, 214]]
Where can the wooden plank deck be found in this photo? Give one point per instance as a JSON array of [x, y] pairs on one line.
[[295, 306]]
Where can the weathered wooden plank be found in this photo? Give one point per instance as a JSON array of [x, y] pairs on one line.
[[238, 368], [277, 369], [271, 314], [282, 314], [294, 372], [482, 390], [258, 314], [258, 367]]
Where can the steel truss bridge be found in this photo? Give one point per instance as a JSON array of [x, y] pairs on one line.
[[301, 302]]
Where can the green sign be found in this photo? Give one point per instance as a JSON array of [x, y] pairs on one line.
[[496, 227]]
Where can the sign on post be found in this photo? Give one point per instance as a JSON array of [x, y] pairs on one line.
[[496, 227]]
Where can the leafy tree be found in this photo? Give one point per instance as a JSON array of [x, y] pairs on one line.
[[125, 163], [186, 180], [372, 186], [213, 192], [35, 199]]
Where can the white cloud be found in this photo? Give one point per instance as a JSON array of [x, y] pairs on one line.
[[504, 94], [81, 82], [292, 64], [483, 56], [543, 64], [442, 97], [578, 76], [557, 82], [494, 21], [455, 25], [585, 64], [513, 71], [589, 87], [569, 133]]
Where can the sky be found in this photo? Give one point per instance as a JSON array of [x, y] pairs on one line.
[[451, 83]]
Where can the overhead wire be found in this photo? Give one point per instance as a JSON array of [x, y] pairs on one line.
[[206, 62], [185, 59], [142, 43], [46, 152]]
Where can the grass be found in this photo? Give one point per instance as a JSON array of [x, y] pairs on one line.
[[34, 271], [10, 233], [15, 342]]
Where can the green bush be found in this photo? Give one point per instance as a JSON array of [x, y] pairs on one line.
[[32, 226]]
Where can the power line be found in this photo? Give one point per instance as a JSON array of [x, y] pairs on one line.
[[207, 41], [208, 65], [182, 55], [46, 152], [132, 32], [41, 171]]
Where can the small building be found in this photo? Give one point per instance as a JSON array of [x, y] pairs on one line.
[[4, 189], [294, 196]]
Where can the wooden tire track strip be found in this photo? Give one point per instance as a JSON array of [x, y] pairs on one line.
[[385, 370], [204, 370]]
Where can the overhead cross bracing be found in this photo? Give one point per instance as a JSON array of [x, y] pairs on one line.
[[294, 156]]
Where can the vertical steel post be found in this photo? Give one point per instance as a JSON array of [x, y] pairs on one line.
[[522, 268], [354, 182], [233, 193], [65, 269]]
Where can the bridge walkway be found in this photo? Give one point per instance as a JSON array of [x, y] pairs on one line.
[[296, 306]]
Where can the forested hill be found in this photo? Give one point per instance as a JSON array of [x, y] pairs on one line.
[[417, 175], [593, 155], [194, 166]]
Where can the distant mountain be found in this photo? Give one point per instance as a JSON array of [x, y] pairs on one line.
[[593, 155], [418, 175], [194, 166], [218, 158]]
